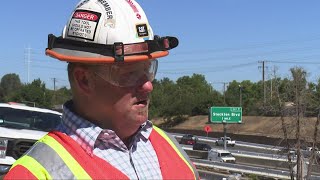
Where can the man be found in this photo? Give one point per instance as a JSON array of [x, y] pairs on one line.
[[112, 55]]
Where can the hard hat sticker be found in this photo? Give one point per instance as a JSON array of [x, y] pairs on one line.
[[83, 24], [142, 30]]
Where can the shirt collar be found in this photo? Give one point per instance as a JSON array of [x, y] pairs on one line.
[[81, 130], [86, 133]]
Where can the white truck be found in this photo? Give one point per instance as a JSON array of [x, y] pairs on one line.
[[221, 156], [220, 142], [20, 127]]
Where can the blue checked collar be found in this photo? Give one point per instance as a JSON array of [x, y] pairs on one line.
[[87, 134]]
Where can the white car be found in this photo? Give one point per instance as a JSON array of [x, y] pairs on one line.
[[20, 127], [316, 150], [221, 156], [229, 142]]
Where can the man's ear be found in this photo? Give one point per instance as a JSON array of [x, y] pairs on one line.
[[82, 79]]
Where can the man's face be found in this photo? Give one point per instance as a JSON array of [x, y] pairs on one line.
[[126, 107]]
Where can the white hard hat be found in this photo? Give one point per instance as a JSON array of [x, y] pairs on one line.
[[107, 31]]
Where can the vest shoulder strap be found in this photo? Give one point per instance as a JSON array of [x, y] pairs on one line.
[[49, 159], [175, 148]]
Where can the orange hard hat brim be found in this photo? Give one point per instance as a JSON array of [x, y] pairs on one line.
[[132, 58]]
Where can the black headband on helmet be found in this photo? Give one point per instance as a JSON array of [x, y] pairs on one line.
[[118, 50]]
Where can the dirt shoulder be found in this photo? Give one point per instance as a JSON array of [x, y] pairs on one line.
[[251, 125]]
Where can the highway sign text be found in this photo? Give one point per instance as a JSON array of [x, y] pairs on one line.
[[226, 114]]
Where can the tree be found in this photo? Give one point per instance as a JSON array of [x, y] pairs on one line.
[[188, 96], [9, 84], [233, 94], [293, 100], [60, 96], [35, 92], [1, 95], [160, 96]]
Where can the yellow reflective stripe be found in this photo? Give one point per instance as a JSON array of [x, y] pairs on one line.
[[174, 147], [33, 166], [73, 165]]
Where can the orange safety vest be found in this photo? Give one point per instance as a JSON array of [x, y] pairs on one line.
[[58, 156]]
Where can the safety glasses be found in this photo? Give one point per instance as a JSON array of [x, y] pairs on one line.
[[127, 74]]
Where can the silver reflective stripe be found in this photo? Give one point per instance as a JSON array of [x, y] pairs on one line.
[[184, 154], [51, 161]]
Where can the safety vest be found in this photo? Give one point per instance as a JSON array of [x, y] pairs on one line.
[[58, 156]]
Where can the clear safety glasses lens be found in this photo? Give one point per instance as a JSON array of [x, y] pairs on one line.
[[128, 74]]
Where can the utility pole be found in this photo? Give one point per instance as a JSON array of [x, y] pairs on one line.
[[240, 95], [224, 92], [273, 77], [263, 81], [54, 84], [264, 85], [224, 89], [28, 49], [54, 88]]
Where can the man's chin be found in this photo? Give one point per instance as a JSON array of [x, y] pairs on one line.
[[142, 118]]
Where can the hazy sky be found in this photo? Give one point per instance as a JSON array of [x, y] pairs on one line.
[[224, 40]]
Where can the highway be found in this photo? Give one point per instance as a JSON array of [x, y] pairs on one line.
[[259, 159], [238, 168]]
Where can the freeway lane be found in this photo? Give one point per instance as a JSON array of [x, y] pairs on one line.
[[244, 146], [246, 169], [249, 154]]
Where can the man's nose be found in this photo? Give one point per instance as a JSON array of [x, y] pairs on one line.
[[146, 87]]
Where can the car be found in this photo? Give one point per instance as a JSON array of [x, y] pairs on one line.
[[201, 147], [20, 127], [221, 156], [229, 142], [309, 151], [188, 139], [316, 150]]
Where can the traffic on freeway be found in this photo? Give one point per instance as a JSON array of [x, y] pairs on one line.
[[259, 159]]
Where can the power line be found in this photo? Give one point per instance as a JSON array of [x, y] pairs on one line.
[[238, 56], [252, 46], [208, 69], [47, 67], [294, 62]]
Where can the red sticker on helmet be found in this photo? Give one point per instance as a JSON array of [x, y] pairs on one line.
[[83, 24], [85, 16], [134, 8]]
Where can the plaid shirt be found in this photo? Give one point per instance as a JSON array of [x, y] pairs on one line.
[[138, 162]]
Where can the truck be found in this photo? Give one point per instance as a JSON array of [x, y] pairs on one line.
[[220, 142], [221, 156], [20, 127]]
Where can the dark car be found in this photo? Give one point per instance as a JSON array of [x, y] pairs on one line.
[[188, 139], [202, 147]]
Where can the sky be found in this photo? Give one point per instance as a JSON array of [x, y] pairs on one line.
[[223, 40]]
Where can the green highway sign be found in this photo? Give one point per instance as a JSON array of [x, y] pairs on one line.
[[226, 115]]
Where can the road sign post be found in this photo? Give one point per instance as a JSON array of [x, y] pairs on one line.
[[225, 136], [207, 129]]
